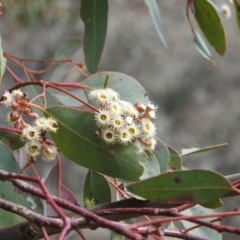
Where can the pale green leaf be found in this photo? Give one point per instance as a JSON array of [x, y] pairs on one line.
[[157, 21], [201, 231], [189, 151], [2, 62], [202, 47], [65, 48]]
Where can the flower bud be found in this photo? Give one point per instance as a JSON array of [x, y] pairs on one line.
[[27, 110], [17, 125], [33, 115], [14, 105], [14, 115]]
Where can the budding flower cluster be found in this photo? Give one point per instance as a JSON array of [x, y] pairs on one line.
[[18, 101], [122, 122], [34, 139], [33, 136]]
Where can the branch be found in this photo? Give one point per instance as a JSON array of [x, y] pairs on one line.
[[116, 211], [31, 230], [179, 234]]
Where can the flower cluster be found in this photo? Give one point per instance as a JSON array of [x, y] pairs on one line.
[[122, 122], [34, 139], [18, 101], [33, 136]]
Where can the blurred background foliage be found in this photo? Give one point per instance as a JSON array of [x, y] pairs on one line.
[[198, 102]]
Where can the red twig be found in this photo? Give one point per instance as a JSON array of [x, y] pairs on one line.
[[182, 235], [44, 232], [117, 227], [16, 78], [219, 228]]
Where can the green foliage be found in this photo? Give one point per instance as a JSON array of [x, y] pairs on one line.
[[9, 218], [157, 174], [186, 152], [96, 188], [7, 191], [237, 7], [201, 46], [121, 83], [213, 204], [203, 232], [162, 155], [12, 140], [65, 48], [210, 24], [175, 159], [76, 139], [157, 21], [94, 14], [196, 186]]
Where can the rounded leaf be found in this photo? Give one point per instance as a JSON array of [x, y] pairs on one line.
[[128, 88], [76, 139], [192, 186]]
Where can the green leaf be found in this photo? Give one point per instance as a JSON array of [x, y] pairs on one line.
[[76, 139], [157, 21], [151, 166], [67, 100], [94, 14], [7, 190], [189, 151], [175, 160], [9, 218], [213, 204], [12, 140], [128, 88], [162, 155], [65, 48], [96, 188], [210, 24], [2, 62], [202, 47], [158, 161], [193, 186], [237, 7], [201, 231]]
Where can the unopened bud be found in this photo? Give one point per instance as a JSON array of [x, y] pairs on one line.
[[14, 105], [44, 145], [17, 125], [140, 107], [147, 142], [98, 133], [14, 116], [26, 110], [152, 114], [33, 115]]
